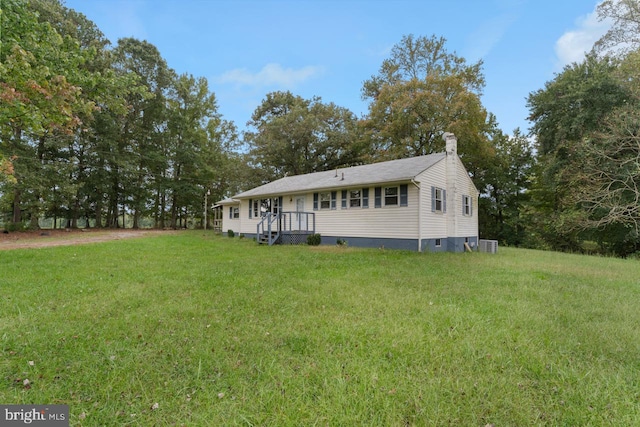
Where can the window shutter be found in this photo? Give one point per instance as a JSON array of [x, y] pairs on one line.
[[250, 207], [433, 199], [471, 205], [344, 199], [463, 200], [378, 197], [333, 199], [315, 201], [230, 212], [404, 195], [444, 201], [365, 197]]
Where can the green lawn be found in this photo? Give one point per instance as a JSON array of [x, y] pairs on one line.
[[200, 330]]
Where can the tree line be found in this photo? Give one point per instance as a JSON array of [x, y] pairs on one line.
[[91, 132]]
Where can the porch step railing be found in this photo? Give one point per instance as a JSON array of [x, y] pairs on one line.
[[273, 226]]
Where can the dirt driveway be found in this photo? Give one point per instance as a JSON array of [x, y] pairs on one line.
[[47, 238]]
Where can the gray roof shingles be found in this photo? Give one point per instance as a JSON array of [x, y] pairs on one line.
[[375, 173]]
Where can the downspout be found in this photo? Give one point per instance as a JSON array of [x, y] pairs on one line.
[[419, 216]]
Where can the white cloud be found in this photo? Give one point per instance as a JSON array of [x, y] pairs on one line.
[[270, 75], [574, 44]]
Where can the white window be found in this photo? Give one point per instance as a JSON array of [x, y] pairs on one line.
[[235, 213], [264, 206], [466, 206], [438, 243], [355, 198], [325, 200], [391, 196], [438, 195]]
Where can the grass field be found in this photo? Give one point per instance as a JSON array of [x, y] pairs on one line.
[[200, 330]]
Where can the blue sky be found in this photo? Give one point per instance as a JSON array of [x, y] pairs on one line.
[[328, 48]]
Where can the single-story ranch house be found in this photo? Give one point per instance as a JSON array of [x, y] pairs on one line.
[[425, 203]]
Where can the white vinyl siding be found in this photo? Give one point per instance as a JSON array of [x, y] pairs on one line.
[[467, 225], [231, 224], [229, 221], [434, 224], [399, 222], [343, 218]]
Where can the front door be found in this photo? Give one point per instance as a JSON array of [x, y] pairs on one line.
[[301, 218]]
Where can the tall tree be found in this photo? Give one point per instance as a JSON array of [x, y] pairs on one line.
[[606, 180], [505, 194], [86, 131], [100, 86], [140, 141], [607, 184], [624, 34], [42, 105], [197, 143], [419, 93], [573, 103], [295, 136], [568, 110]]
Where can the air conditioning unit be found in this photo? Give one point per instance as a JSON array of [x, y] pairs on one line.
[[489, 246]]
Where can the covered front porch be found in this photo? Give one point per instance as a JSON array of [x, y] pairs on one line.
[[286, 228]]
